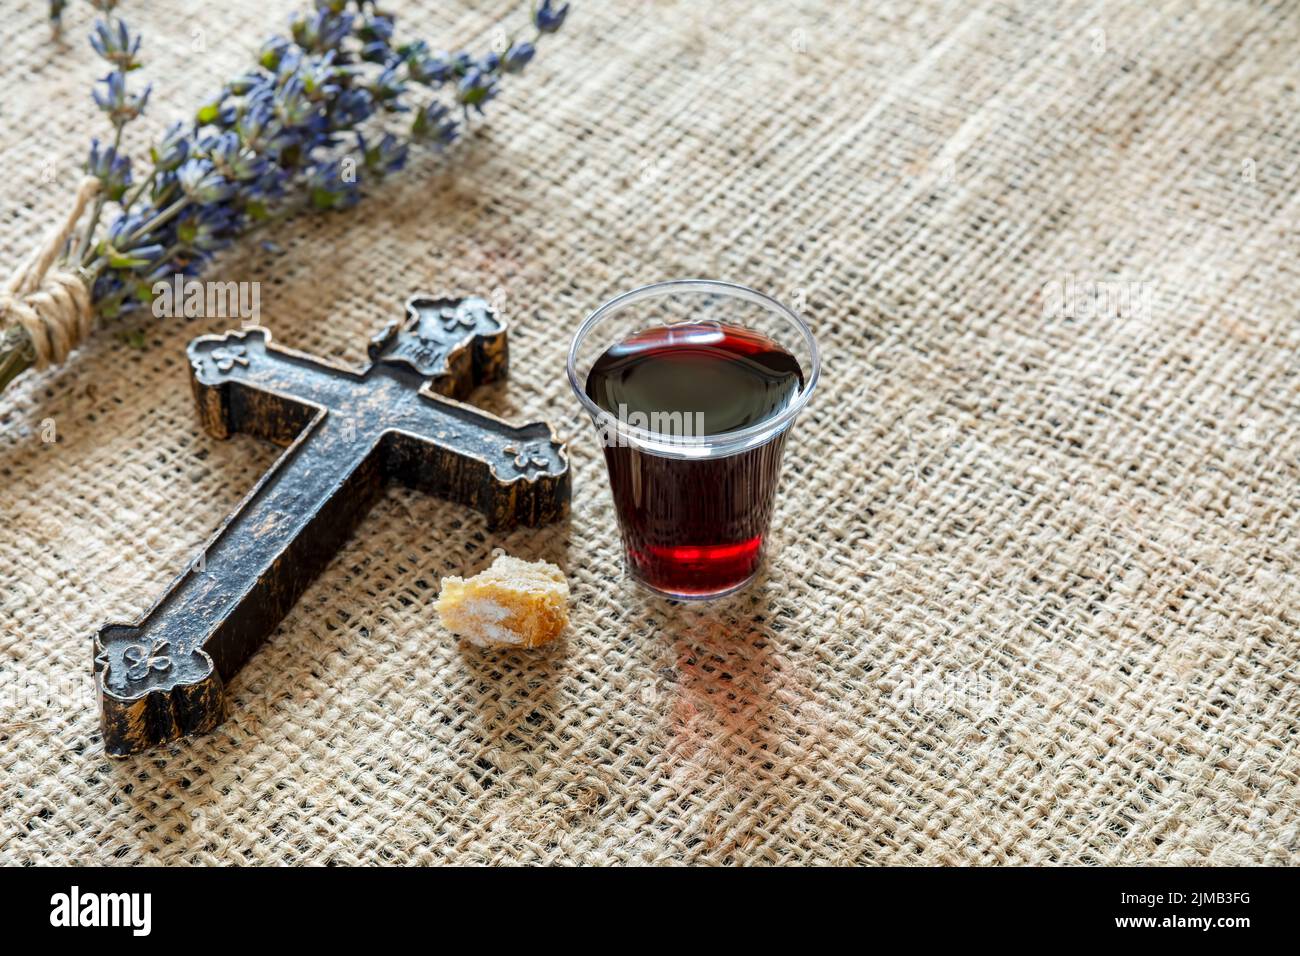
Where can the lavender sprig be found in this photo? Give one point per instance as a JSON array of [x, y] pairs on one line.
[[290, 133], [332, 106]]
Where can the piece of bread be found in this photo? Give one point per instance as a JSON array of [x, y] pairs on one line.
[[513, 603]]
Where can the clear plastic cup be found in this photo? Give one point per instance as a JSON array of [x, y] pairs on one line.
[[694, 510]]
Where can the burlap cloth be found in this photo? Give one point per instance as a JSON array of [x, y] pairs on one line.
[[1035, 593]]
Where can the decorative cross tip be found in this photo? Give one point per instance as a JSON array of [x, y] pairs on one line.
[[214, 357], [457, 343]]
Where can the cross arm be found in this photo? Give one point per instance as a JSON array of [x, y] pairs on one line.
[[244, 383]]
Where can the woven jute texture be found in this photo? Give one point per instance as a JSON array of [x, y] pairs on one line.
[[1033, 590]]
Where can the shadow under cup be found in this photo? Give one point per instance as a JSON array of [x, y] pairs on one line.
[[694, 506]]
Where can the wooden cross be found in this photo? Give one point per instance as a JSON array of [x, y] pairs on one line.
[[348, 432]]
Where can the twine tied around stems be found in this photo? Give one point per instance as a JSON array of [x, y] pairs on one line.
[[53, 307]]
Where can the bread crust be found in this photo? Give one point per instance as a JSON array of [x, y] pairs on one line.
[[512, 603]]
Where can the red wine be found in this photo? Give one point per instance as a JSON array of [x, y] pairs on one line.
[[694, 526]]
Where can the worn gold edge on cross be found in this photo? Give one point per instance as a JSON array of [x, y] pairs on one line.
[[161, 677]]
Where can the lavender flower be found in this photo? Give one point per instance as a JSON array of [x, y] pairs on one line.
[[333, 185], [388, 88], [116, 44], [120, 104], [386, 156], [433, 125], [201, 182], [426, 68], [206, 229], [518, 56], [476, 87], [376, 33], [170, 151], [273, 51], [128, 246], [547, 19], [231, 159], [111, 169], [320, 30]]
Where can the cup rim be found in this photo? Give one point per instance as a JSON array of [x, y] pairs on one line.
[[692, 445]]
